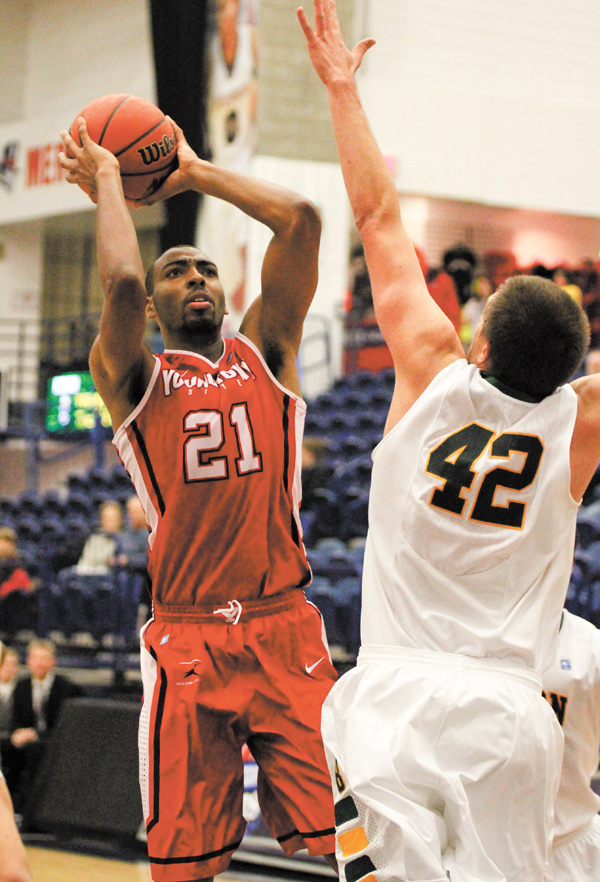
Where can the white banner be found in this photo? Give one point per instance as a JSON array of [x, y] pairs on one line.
[[32, 183]]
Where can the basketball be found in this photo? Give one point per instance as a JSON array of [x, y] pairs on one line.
[[139, 135]]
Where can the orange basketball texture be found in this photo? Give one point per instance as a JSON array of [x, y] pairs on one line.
[[138, 134]]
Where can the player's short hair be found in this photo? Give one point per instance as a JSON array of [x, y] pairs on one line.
[[42, 643], [538, 335]]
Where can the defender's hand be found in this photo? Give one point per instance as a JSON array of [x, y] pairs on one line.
[[330, 56]]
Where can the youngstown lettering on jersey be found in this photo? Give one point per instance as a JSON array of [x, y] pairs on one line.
[[174, 380]]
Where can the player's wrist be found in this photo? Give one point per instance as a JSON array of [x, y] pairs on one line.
[[107, 171]]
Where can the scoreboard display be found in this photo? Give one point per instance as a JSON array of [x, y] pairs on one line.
[[73, 403]]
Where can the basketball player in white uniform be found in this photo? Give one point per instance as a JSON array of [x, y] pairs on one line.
[[444, 755], [572, 687]]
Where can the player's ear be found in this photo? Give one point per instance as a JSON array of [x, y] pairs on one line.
[[483, 353], [150, 311]]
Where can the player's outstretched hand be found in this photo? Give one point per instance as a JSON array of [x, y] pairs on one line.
[[81, 163], [181, 178], [331, 58]]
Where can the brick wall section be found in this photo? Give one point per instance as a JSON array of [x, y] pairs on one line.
[[293, 115]]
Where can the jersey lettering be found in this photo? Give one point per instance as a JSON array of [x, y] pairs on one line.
[[558, 703], [453, 461], [206, 439]]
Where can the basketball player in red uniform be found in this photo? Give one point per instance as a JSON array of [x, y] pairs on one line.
[[210, 433]]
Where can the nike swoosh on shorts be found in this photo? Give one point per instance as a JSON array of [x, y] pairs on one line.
[[310, 668]]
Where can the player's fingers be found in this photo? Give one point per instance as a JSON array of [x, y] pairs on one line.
[[84, 136], [180, 137], [319, 17], [68, 141], [362, 47], [65, 161], [304, 24]]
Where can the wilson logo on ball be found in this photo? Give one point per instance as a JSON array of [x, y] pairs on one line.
[[157, 150]]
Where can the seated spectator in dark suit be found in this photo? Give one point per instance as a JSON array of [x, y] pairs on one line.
[[37, 700], [9, 672]]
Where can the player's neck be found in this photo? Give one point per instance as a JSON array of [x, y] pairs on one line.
[[212, 349]]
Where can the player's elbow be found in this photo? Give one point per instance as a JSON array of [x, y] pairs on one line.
[[124, 281], [305, 220], [375, 216]]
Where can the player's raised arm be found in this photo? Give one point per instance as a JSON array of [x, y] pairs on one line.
[[118, 359], [420, 337]]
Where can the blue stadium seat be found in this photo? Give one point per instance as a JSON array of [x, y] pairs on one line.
[[348, 603], [588, 524], [326, 520], [320, 592], [335, 565], [355, 517]]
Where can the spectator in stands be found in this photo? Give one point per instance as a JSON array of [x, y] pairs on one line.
[[13, 860], [560, 277], [13, 574], [132, 550], [9, 672], [572, 687], [102, 545], [130, 564], [481, 289], [459, 263], [442, 288], [37, 700], [592, 362], [589, 282]]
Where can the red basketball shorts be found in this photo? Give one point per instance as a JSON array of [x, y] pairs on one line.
[[210, 686]]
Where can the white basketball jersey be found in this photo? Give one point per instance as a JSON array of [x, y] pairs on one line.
[[471, 523], [572, 686]]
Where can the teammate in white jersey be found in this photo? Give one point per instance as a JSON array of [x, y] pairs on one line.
[[572, 687], [444, 755]]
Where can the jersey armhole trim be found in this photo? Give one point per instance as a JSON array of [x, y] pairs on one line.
[[126, 422], [300, 402]]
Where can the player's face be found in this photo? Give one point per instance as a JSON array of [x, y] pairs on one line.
[[188, 296]]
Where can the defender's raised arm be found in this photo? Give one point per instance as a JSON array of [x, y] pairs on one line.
[[420, 337]]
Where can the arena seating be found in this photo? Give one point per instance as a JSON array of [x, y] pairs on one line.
[[349, 419]]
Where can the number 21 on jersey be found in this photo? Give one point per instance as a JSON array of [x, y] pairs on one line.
[[454, 461], [206, 439]]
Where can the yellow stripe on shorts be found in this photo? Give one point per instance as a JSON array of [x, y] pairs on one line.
[[352, 841]]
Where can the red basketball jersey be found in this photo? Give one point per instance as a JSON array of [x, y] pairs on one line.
[[214, 452]]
